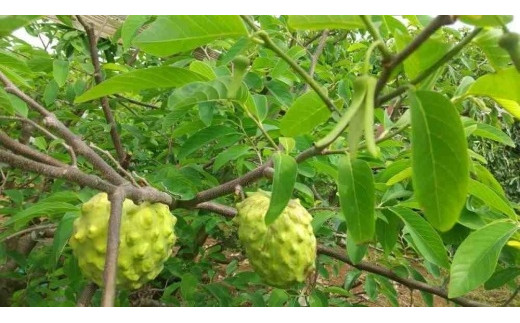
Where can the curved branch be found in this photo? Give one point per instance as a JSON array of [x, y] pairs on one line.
[[86, 295], [27, 151]]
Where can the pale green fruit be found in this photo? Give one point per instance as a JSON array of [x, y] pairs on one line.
[[146, 240], [284, 252]]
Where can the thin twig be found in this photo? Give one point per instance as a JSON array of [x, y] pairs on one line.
[[377, 37], [510, 299], [143, 104], [316, 56], [118, 165], [98, 77], [4, 179], [28, 230], [114, 226], [86, 295]]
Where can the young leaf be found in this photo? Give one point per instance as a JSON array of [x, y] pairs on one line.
[[137, 80], [440, 168], [202, 138], [285, 170], [62, 235], [232, 153], [476, 258], [427, 241], [172, 34], [306, 112], [356, 193], [60, 70]]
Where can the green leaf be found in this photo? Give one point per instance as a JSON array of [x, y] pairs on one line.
[[172, 34], [51, 92], [476, 258], [13, 62], [8, 24], [501, 277], [425, 238], [47, 208], [232, 153], [399, 177], [5, 103], [356, 194], [203, 68], [486, 20], [310, 22], [188, 286], [212, 91], [137, 80], [20, 107], [439, 158], [306, 112], [62, 235], [285, 170], [491, 198], [488, 131], [277, 298], [487, 40], [257, 105], [387, 231], [355, 251], [203, 137], [427, 297], [60, 71], [130, 27], [502, 86]]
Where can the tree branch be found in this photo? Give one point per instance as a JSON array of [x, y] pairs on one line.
[[74, 141], [27, 151], [86, 295], [98, 77], [377, 37], [427, 72], [411, 283], [423, 36], [114, 226], [316, 56], [143, 104]]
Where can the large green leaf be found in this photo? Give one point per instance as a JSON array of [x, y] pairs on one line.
[[311, 22], [306, 112], [476, 258], [150, 78], [203, 137], [285, 170], [491, 198], [9, 24], [502, 86], [425, 238], [439, 158], [356, 193], [172, 34]]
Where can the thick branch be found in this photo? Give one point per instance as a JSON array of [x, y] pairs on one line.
[[98, 77], [114, 226], [27, 151], [74, 141], [425, 34], [86, 295], [411, 283]]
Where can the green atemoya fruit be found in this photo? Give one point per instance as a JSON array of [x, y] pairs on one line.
[[284, 252], [146, 240]]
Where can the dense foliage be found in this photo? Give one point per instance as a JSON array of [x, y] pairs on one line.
[[398, 134]]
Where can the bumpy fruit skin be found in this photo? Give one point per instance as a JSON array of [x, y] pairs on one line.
[[284, 252], [146, 240]]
